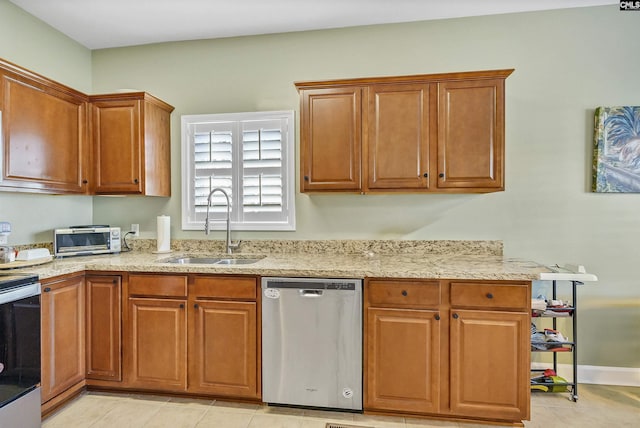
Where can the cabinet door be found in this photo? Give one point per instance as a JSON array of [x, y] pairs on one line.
[[104, 325], [471, 135], [117, 150], [331, 139], [157, 347], [398, 138], [223, 349], [402, 360], [490, 364], [44, 137], [63, 346]]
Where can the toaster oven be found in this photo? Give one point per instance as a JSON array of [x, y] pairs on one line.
[[86, 240]]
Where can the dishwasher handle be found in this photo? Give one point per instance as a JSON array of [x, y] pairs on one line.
[[310, 293]]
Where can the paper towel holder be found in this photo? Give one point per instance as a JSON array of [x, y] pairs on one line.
[[163, 237]]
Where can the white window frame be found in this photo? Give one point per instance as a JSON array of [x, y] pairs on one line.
[[191, 220]]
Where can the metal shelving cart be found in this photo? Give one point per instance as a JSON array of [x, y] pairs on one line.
[[569, 346]]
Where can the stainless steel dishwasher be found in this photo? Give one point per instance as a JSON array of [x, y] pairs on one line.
[[312, 342]]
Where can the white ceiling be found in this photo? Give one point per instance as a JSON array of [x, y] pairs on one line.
[[100, 24]]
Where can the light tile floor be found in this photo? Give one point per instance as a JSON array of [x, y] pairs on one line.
[[597, 407]]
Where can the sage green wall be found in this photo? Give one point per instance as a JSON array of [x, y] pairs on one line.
[[32, 44], [567, 62]]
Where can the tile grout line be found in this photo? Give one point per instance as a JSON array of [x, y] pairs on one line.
[[144, 424], [210, 406]]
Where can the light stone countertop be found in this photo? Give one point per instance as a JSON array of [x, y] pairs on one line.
[[445, 266]]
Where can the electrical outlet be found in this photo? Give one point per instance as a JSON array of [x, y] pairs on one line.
[[135, 228]]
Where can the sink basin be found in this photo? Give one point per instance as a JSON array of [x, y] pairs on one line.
[[237, 261], [191, 260]]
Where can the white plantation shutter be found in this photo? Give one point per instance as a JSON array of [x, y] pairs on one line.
[[250, 156], [213, 163], [262, 193]]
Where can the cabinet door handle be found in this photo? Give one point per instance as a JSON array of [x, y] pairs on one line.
[[306, 178], [181, 305], [437, 317], [455, 316], [195, 305], [114, 281], [47, 289], [404, 292], [489, 296], [135, 181], [425, 175], [441, 175], [85, 181]]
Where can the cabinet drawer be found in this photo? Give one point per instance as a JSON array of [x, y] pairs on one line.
[[158, 285], [404, 293], [499, 296], [223, 287]]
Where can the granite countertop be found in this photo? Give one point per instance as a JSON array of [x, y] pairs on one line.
[[403, 262]]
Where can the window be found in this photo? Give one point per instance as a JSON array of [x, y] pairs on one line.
[[251, 157]]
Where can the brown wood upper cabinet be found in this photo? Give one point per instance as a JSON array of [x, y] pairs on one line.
[[131, 144], [44, 141], [57, 140], [331, 139], [423, 133], [398, 138]]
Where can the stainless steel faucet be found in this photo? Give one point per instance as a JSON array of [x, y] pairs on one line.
[[230, 245]]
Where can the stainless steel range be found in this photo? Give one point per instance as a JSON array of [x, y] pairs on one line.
[[19, 350]]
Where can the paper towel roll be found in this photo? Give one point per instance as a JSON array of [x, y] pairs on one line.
[[164, 234]]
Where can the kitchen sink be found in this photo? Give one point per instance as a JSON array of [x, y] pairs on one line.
[[191, 260], [237, 261]]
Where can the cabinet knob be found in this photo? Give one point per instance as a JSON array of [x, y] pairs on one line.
[[306, 178], [404, 292], [114, 281], [135, 180], [455, 316], [181, 305], [85, 181], [489, 296], [195, 305], [47, 289], [437, 317], [425, 175], [441, 175]]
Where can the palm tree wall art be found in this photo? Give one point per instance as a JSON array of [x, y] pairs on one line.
[[616, 159]]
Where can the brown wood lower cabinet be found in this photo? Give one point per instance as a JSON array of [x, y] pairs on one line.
[[158, 353], [456, 349], [104, 327], [209, 321], [442, 348], [223, 336], [489, 364], [62, 338], [223, 348], [403, 355]]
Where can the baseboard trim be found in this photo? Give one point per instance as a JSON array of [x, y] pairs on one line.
[[599, 375]]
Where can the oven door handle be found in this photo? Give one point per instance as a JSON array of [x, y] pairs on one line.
[[19, 293]]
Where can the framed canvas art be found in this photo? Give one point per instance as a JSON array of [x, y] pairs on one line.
[[616, 157]]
